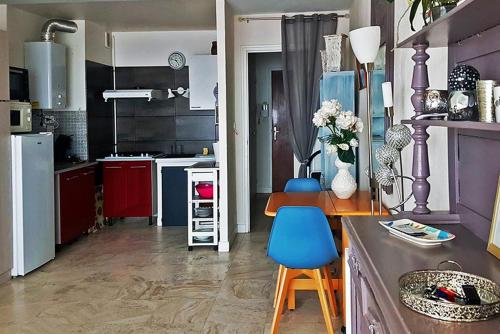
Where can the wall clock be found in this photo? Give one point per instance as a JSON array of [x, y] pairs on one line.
[[176, 60]]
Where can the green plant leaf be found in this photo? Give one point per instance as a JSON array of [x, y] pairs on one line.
[[413, 12], [346, 156]]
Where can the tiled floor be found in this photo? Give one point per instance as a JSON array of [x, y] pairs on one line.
[[134, 278]]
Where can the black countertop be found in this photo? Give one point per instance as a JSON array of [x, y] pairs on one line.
[[60, 167]]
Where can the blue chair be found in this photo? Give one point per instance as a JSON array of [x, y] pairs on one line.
[[302, 185], [302, 243]]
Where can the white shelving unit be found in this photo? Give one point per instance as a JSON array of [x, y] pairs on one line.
[[203, 231]]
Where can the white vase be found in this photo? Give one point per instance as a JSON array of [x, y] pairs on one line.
[[343, 184]]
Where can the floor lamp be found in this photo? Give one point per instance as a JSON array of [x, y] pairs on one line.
[[365, 43]]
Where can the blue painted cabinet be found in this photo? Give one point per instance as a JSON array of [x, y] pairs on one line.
[[339, 86]]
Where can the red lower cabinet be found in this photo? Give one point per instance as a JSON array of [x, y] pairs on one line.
[[127, 189], [75, 211]]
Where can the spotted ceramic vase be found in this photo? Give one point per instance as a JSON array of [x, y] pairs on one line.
[[343, 184]]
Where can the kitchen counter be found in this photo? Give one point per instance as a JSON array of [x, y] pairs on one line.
[[165, 161], [176, 183], [134, 158], [204, 165], [69, 166]]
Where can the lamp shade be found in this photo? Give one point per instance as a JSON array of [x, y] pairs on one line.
[[365, 43]]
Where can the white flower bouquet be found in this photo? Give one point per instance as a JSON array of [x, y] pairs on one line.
[[344, 127]]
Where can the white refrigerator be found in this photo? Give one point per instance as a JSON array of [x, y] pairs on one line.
[[33, 201]]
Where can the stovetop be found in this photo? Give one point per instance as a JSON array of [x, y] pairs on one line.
[[134, 155]]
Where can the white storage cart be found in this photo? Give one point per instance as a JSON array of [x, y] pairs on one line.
[[203, 213]]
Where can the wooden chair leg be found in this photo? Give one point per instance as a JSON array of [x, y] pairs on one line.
[[331, 290], [291, 299], [322, 298], [278, 281], [278, 310]]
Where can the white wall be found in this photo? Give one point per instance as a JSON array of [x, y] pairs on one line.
[[265, 63], [3, 17], [75, 67], [254, 33], [95, 49], [153, 48], [22, 27], [403, 109], [226, 114]]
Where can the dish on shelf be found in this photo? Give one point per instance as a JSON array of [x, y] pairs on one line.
[[203, 212], [206, 238], [417, 233], [205, 190]]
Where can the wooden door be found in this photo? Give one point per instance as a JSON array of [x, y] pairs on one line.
[[282, 148]]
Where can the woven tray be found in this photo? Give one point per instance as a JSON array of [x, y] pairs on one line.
[[413, 284]]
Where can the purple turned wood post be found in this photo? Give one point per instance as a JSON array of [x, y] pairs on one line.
[[420, 82]]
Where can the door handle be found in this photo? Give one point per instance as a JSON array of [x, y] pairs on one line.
[[113, 167], [137, 166], [72, 178], [275, 132], [88, 173]]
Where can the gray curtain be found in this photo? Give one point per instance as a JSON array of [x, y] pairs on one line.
[[301, 42]]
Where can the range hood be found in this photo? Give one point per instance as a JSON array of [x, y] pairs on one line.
[[132, 94]]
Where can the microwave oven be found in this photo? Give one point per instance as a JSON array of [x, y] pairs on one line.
[[20, 117]]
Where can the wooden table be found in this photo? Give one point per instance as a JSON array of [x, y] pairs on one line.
[[320, 199], [333, 207]]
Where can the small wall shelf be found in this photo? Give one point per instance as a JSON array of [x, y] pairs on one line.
[[455, 124], [468, 19]]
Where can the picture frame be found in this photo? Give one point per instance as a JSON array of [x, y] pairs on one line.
[[494, 238]]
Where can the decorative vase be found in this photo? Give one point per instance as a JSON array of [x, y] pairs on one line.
[[334, 48], [462, 100], [442, 10], [343, 184], [435, 101], [485, 100]]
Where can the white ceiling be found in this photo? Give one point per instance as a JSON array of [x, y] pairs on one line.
[[129, 15], [143, 15], [245, 7]]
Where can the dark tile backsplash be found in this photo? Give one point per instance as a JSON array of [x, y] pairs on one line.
[[160, 125], [70, 123], [99, 113]]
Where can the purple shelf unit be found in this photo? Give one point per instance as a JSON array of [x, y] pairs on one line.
[[471, 32]]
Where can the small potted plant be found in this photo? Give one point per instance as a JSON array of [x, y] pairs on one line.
[[344, 127], [442, 7], [430, 8]]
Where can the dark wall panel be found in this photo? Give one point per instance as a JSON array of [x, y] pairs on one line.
[[474, 161], [195, 127], [160, 125], [155, 128], [99, 77]]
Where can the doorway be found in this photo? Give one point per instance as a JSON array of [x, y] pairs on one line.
[[270, 152]]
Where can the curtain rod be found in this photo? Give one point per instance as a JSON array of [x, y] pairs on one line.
[[276, 18]]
